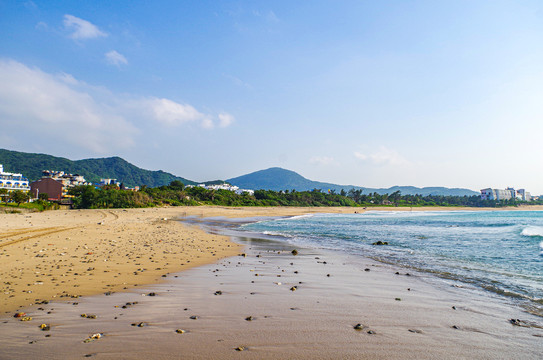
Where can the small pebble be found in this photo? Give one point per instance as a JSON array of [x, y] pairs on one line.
[[359, 327]]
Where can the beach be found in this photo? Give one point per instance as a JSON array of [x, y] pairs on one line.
[[144, 275], [69, 253]]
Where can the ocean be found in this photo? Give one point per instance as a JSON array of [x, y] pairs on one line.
[[498, 251]]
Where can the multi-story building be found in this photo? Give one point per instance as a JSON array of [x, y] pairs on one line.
[[524, 195], [66, 181], [13, 181], [104, 182], [225, 186], [53, 188], [507, 194]]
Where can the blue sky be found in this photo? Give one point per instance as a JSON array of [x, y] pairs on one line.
[[369, 93]]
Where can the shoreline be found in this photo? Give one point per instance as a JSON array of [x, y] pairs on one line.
[[522, 301], [64, 253], [402, 317]]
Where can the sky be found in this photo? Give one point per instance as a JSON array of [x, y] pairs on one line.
[[367, 93]]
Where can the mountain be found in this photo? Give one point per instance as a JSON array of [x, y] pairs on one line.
[[32, 165], [281, 179]]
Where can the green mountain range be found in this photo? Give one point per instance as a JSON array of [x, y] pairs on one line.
[[32, 165], [281, 179]]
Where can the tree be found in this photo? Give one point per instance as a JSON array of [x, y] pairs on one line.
[[43, 196], [177, 185], [3, 194], [395, 196], [18, 196]]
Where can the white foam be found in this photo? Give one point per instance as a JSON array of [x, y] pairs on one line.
[[532, 231], [274, 233], [301, 216]]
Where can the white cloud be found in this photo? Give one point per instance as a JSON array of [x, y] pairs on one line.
[[383, 156], [114, 58], [42, 26], [81, 29], [207, 123], [225, 120], [171, 113], [51, 107], [322, 160], [41, 108]]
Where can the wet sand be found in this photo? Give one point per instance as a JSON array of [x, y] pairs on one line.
[[67, 254], [402, 316]]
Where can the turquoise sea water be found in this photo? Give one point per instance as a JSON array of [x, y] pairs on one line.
[[500, 251]]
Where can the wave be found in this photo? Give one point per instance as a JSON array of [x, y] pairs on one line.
[[275, 233], [301, 216], [532, 231]]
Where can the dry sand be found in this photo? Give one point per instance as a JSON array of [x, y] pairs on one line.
[[70, 253], [402, 317]]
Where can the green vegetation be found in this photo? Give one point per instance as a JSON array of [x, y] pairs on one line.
[[176, 194], [278, 179], [38, 205], [19, 196], [32, 165]]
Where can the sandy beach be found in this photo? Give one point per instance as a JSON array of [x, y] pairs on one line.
[[58, 254], [268, 303]]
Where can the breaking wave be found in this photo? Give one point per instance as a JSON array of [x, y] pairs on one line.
[[532, 231]]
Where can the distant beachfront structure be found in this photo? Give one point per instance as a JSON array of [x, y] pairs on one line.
[[13, 181], [228, 187], [507, 194], [67, 180], [56, 184], [104, 182]]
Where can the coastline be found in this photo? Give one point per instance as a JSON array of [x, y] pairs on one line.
[[401, 316], [65, 253], [314, 321]]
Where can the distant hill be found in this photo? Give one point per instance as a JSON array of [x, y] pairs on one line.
[[32, 165], [281, 179]]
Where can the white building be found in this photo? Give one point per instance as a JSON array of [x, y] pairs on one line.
[[228, 187], [104, 182], [524, 195], [507, 194], [13, 181], [67, 180]]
